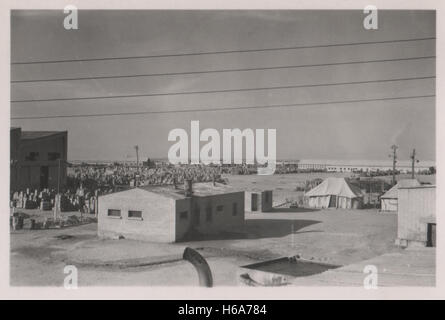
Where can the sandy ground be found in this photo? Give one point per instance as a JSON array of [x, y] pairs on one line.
[[341, 237], [334, 236], [283, 185], [410, 267]]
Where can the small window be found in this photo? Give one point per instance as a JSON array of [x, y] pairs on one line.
[[114, 213], [184, 215], [53, 156], [234, 209], [134, 214], [209, 216], [32, 156], [220, 208]]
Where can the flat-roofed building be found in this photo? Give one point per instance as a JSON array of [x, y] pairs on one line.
[[259, 201], [404, 166], [37, 159], [416, 216], [166, 214]]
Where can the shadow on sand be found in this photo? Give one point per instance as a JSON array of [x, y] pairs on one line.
[[278, 210], [256, 229]]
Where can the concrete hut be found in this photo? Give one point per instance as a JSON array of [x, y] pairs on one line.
[[416, 217], [167, 214], [259, 201]]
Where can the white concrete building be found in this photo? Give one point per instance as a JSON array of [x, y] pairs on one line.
[[403, 166], [166, 214], [416, 218]]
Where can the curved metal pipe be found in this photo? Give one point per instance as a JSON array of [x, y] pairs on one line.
[[201, 266]]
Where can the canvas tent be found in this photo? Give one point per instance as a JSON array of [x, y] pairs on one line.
[[389, 201], [335, 193]]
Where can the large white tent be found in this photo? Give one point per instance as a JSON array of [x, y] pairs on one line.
[[389, 201], [335, 193]]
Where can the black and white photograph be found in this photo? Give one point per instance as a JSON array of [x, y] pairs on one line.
[[222, 148]]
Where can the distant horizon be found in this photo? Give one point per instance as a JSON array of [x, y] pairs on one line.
[[330, 88], [279, 160]]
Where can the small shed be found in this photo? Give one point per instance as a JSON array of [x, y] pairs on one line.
[[259, 201], [389, 200], [335, 193], [167, 214], [416, 219]]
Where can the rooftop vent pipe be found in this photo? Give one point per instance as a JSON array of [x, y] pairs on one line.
[[188, 187]]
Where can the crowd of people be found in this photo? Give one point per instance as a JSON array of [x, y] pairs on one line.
[[70, 200], [109, 177], [33, 199], [85, 182]]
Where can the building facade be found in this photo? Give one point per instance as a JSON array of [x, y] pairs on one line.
[[166, 214], [259, 201], [37, 159], [416, 218], [404, 166]]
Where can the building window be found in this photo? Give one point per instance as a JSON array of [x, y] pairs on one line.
[[220, 208], [209, 216], [134, 214], [32, 156], [53, 156], [266, 197], [234, 209], [183, 215], [114, 213]]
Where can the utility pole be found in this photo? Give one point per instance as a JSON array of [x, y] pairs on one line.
[[394, 161], [57, 200], [413, 161], [137, 165], [58, 176]]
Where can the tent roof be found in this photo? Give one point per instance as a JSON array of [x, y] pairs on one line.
[[335, 186], [404, 183]]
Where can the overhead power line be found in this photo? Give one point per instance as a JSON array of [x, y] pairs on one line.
[[220, 108], [225, 90], [224, 70], [219, 52]]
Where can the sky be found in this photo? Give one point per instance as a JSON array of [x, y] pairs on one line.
[[360, 130]]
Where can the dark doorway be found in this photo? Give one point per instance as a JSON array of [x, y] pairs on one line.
[[196, 217], [333, 202], [254, 201], [431, 235], [44, 172]]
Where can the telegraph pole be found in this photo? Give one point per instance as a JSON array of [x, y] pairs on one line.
[[394, 161], [57, 201], [137, 165], [413, 161], [58, 176]]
